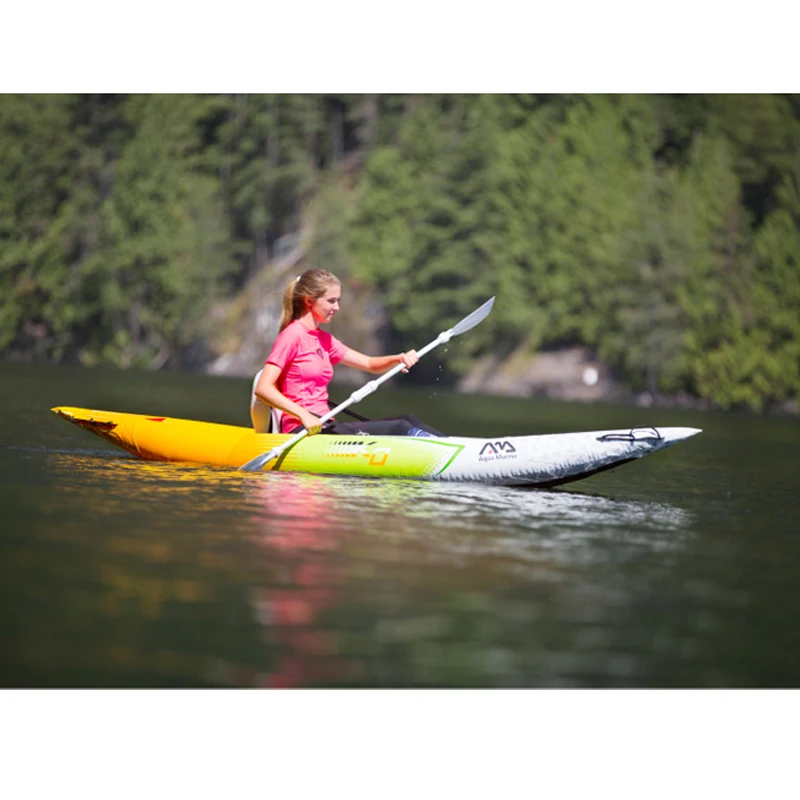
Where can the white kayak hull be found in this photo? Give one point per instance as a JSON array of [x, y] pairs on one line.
[[553, 459]]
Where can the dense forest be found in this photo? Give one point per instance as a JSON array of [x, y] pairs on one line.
[[660, 231]]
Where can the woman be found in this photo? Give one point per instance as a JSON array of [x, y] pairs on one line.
[[297, 372]]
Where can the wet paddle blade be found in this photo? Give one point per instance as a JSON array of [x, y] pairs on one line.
[[257, 463], [477, 316]]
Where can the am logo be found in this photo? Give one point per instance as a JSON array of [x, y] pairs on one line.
[[495, 448]]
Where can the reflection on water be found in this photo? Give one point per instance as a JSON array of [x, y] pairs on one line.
[[119, 572], [346, 544], [530, 521], [168, 574]]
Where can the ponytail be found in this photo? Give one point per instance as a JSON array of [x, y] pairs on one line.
[[313, 283], [287, 306]]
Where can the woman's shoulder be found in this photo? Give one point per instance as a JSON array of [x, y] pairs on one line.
[[328, 340], [287, 340], [295, 332]]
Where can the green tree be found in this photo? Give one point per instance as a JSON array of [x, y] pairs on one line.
[[114, 241], [45, 217], [162, 253]]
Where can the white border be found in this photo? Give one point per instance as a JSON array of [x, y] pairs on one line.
[[398, 744], [411, 47]]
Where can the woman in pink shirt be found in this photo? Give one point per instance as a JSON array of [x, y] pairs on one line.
[[297, 372]]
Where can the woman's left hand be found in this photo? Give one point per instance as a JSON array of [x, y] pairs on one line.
[[408, 359]]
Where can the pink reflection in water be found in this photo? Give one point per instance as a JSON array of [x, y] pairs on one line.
[[296, 532]]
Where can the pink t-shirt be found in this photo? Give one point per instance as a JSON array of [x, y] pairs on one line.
[[306, 359]]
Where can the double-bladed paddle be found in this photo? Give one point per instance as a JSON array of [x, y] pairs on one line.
[[466, 324]]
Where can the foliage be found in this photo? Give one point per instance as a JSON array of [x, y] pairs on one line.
[[628, 224], [662, 232], [117, 254]]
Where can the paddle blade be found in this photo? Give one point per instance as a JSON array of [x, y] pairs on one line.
[[257, 463], [476, 317]]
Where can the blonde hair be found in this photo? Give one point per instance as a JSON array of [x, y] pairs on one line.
[[312, 284]]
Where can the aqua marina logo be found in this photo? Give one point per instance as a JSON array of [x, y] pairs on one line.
[[497, 448]]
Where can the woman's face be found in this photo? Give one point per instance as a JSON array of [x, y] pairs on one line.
[[324, 308]]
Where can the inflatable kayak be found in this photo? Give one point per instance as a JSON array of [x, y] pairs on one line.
[[544, 460]]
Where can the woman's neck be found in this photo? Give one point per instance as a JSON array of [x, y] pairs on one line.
[[308, 321]]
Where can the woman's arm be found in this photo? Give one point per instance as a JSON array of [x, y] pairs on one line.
[[267, 391], [379, 364]]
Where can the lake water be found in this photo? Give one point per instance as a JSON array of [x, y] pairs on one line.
[[679, 570]]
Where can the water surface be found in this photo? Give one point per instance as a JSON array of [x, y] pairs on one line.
[[677, 570]]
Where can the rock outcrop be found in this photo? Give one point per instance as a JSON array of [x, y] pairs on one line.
[[567, 374]]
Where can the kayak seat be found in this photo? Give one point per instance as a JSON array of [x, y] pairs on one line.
[[265, 418]]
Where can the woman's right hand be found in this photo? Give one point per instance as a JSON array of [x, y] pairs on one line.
[[311, 423]]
